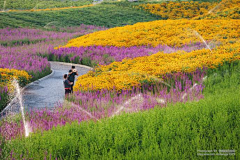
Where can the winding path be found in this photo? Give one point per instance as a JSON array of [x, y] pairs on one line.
[[47, 92]]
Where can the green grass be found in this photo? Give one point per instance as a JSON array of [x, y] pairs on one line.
[[108, 15], [174, 132], [41, 4]]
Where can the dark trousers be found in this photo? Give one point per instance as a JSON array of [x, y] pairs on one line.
[[72, 87], [67, 91]]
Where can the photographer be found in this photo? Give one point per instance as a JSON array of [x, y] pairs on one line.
[[71, 76]]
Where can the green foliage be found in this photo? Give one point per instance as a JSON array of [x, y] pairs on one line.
[[41, 4], [174, 132], [21, 42], [86, 61], [108, 15], [4, 99], [38, 75]]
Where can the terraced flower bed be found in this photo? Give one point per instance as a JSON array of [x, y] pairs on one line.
[[20, 49], [179, 79]]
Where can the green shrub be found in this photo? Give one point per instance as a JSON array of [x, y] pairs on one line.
[[108, 15], [41, 4]]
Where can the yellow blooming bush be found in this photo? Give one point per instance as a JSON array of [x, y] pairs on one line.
[[111, 80], [7, 75], [131, 72], [164, 32], [177, 10], [226, 9]]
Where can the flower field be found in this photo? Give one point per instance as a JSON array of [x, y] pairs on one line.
[[94, 55], [132, 72], [178, 10], [180, 122], [165, 82], [164, 32], [20, 49]]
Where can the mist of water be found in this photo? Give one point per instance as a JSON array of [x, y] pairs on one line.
[[19, 97], [48, 25], [121, 107], [194, 32], [216, 7], [4, 5], [97, 2], [86, 112]]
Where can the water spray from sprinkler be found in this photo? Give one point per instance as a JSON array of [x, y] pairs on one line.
[[19, 96], [216, 7], [121, 107], [48, 25], [4, 5], [199, 36], [86, 112]]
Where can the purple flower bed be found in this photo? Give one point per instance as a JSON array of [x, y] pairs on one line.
[[105, 55], [25, 35], [26, 56], [22, 60], [104, 103]]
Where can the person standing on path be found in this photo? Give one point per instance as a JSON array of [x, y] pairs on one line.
[[67, 85], [71, 76]]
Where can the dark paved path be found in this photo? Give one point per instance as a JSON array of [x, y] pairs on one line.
[[47, 92], [50, 91]]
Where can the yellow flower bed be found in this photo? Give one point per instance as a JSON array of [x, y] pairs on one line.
[[164, 32], [50, 9], [179, 10], [7, 75], [130, 72], [228, 13]]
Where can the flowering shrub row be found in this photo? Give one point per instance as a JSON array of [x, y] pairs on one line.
[[135, 72], [189, 9], [226, 9], [94, 55], [20, 36], [164, 32], [51, 9], [178, 10]]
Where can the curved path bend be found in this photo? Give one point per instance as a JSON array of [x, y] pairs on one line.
[[49, 91]]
